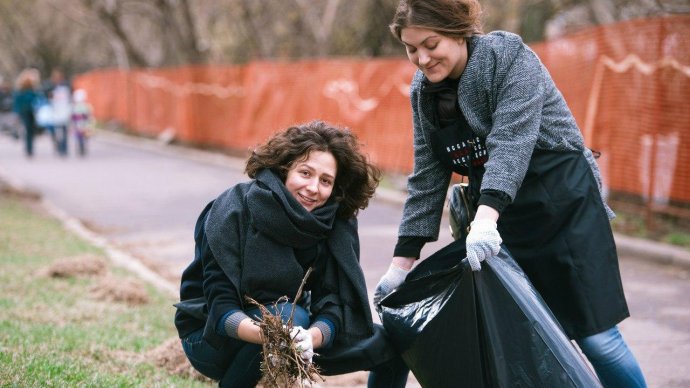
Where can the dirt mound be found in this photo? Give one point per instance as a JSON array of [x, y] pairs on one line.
[[114, 289], [82, 265], [170, 356]]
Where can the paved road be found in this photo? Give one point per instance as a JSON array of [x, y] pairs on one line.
[[144, 198]]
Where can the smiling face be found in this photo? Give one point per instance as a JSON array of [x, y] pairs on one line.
[[311, 180], [437, 56]]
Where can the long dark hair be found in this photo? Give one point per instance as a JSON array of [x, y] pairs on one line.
[[356, 179], [452, 18]]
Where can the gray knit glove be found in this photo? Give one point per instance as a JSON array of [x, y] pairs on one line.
[[482, 242], [390, 280]]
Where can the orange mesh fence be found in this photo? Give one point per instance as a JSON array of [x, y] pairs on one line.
[[240, 106], [627, 84]]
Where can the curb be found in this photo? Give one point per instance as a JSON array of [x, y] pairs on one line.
[[117, 256], [653, 251]]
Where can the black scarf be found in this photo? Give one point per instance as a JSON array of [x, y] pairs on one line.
[[446, 94], [275, 212], [276, 224], [279, 225]]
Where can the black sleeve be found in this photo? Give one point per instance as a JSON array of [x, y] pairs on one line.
[[219, 291], [410, 246], [495, 199], [325, 294]]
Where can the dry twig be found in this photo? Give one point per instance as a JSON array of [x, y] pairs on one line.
[[282, 364]]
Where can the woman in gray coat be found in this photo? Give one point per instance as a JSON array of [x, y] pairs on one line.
[[485, 107]]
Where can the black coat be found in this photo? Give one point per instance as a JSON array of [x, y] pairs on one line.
[[235, 250]]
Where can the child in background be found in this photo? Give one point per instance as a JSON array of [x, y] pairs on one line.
[[82, 119]]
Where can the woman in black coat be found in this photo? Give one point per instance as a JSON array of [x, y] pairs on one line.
[[258, 238]]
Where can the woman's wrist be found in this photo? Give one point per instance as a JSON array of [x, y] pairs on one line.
[[316, 337], [405, 263], [485, 212], [249, 331]]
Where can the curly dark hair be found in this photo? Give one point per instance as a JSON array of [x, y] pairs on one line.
[[356, 179]]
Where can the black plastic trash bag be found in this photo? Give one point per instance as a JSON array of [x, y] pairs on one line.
[[458, 328]]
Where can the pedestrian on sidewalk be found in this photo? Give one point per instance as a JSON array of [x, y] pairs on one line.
[[9, 122], [59, 95], [81, 120], [24, 98], [53, 110], [486, 108], [259, 238]]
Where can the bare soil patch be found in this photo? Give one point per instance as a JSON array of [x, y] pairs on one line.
[[78, 266], [170, 356]]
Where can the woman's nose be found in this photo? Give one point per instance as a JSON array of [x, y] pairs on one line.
[[423, 58], [313, 185]]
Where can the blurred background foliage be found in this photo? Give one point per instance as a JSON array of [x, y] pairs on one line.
[[79, 35]]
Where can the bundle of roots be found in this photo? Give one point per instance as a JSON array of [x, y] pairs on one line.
[[282, 364]]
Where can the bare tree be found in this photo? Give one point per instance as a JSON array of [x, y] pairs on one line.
[[77, 35], [179, 32], [375, 37], [319, 21], [111, 14], [15, 37], [256, 24]]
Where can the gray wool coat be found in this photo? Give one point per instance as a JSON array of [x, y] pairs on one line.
[[510, 101]]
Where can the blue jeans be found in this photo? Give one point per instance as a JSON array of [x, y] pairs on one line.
[[612, 360], [29, 133], [237, 363], [81, 143], [60, 138]]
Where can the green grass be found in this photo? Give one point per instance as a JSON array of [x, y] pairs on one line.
[[678, 238], [53, 332], [664, 229]]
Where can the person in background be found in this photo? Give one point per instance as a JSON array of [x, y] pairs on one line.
[[485, 107], [24, 99], [81, 120], [60, 101], [259, 238], [9, 122], [56, 79], [58, 92]]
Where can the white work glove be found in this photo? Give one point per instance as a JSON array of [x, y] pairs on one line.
[[394, 277], [482, 242], [303, 342]]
